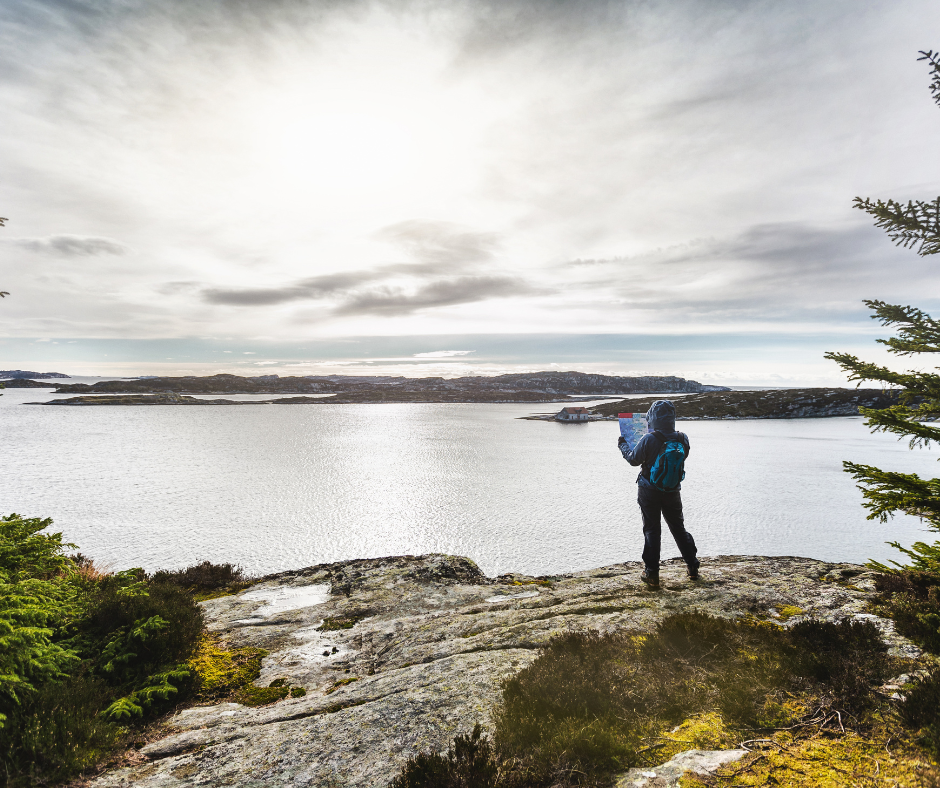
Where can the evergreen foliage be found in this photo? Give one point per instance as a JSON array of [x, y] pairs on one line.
[[915, 226], [35, 598], [82, 653]]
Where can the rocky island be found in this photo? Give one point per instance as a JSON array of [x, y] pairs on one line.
[[524, 387], [773, 404], [389, 657]]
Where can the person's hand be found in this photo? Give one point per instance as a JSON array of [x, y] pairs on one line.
[[621, 440]]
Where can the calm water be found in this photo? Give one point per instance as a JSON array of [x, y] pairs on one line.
[[276, 487]]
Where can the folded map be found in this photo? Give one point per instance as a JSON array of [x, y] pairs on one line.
[[632, 427]]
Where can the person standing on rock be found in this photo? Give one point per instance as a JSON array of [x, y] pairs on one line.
[[661, 453]]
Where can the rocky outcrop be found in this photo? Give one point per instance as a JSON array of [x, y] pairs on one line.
[[399, 655]]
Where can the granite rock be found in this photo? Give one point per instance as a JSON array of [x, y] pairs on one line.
[[429, 641]]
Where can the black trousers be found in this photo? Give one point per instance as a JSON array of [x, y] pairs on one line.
[[655, 505]]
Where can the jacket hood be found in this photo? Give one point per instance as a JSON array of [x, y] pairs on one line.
[[662, 416]]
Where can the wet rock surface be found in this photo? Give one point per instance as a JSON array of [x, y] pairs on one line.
[[399, 655]]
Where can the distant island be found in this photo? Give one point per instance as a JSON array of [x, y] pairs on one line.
[[774, 404], [22, 373], [348, 389]]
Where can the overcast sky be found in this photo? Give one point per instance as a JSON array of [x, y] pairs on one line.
[[304, 187]]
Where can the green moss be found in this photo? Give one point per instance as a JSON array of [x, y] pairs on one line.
[[339, 622], [250, 695], [342, 683], [828, 761], [220, 672], [297, 692], [789, 611]]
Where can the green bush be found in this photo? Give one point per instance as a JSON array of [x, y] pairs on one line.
[[82, 650], [58, 732], [35, 598]]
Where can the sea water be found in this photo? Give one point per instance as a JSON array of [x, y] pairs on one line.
[[273, 487]]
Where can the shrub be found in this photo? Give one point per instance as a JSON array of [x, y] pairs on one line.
[[920, 710], [133, 628], [58, 732], [81, 648], [469, 763], [912, 599], [205, 579], [34, 599]]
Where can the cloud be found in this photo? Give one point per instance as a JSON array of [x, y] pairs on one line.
[[389, 301], [436, 244], [791, 270], [72, 245], [438, 248], [303, 290], [443, 354]]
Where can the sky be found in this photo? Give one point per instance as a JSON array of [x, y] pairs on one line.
[[450, 188]]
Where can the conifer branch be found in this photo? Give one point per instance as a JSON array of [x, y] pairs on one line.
[[919, 332], [887, 492], [914, 226], [934, 59]]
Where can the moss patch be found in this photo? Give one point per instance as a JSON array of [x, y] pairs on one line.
[[342, 683], [221, 672], [875, 758], [333, 623]]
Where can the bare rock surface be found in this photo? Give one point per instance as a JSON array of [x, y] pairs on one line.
[[667, 775], [431, 639]]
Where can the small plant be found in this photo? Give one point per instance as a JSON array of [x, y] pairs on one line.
[[469, 763]]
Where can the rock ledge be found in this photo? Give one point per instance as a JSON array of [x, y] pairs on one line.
[[432, 641]]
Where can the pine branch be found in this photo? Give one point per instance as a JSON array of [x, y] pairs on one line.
[[915, 385], [934, 59], [900, 420], [919, 332], [887, 492], [913, 226]]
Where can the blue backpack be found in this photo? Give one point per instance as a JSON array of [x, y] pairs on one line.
[[667, 471]]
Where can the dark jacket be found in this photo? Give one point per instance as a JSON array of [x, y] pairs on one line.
[[661, 418]]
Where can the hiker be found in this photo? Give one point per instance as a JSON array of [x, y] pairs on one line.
[[661, 453]]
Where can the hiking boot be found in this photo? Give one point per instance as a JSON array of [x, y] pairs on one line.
[[693, 572], [651, 579]]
